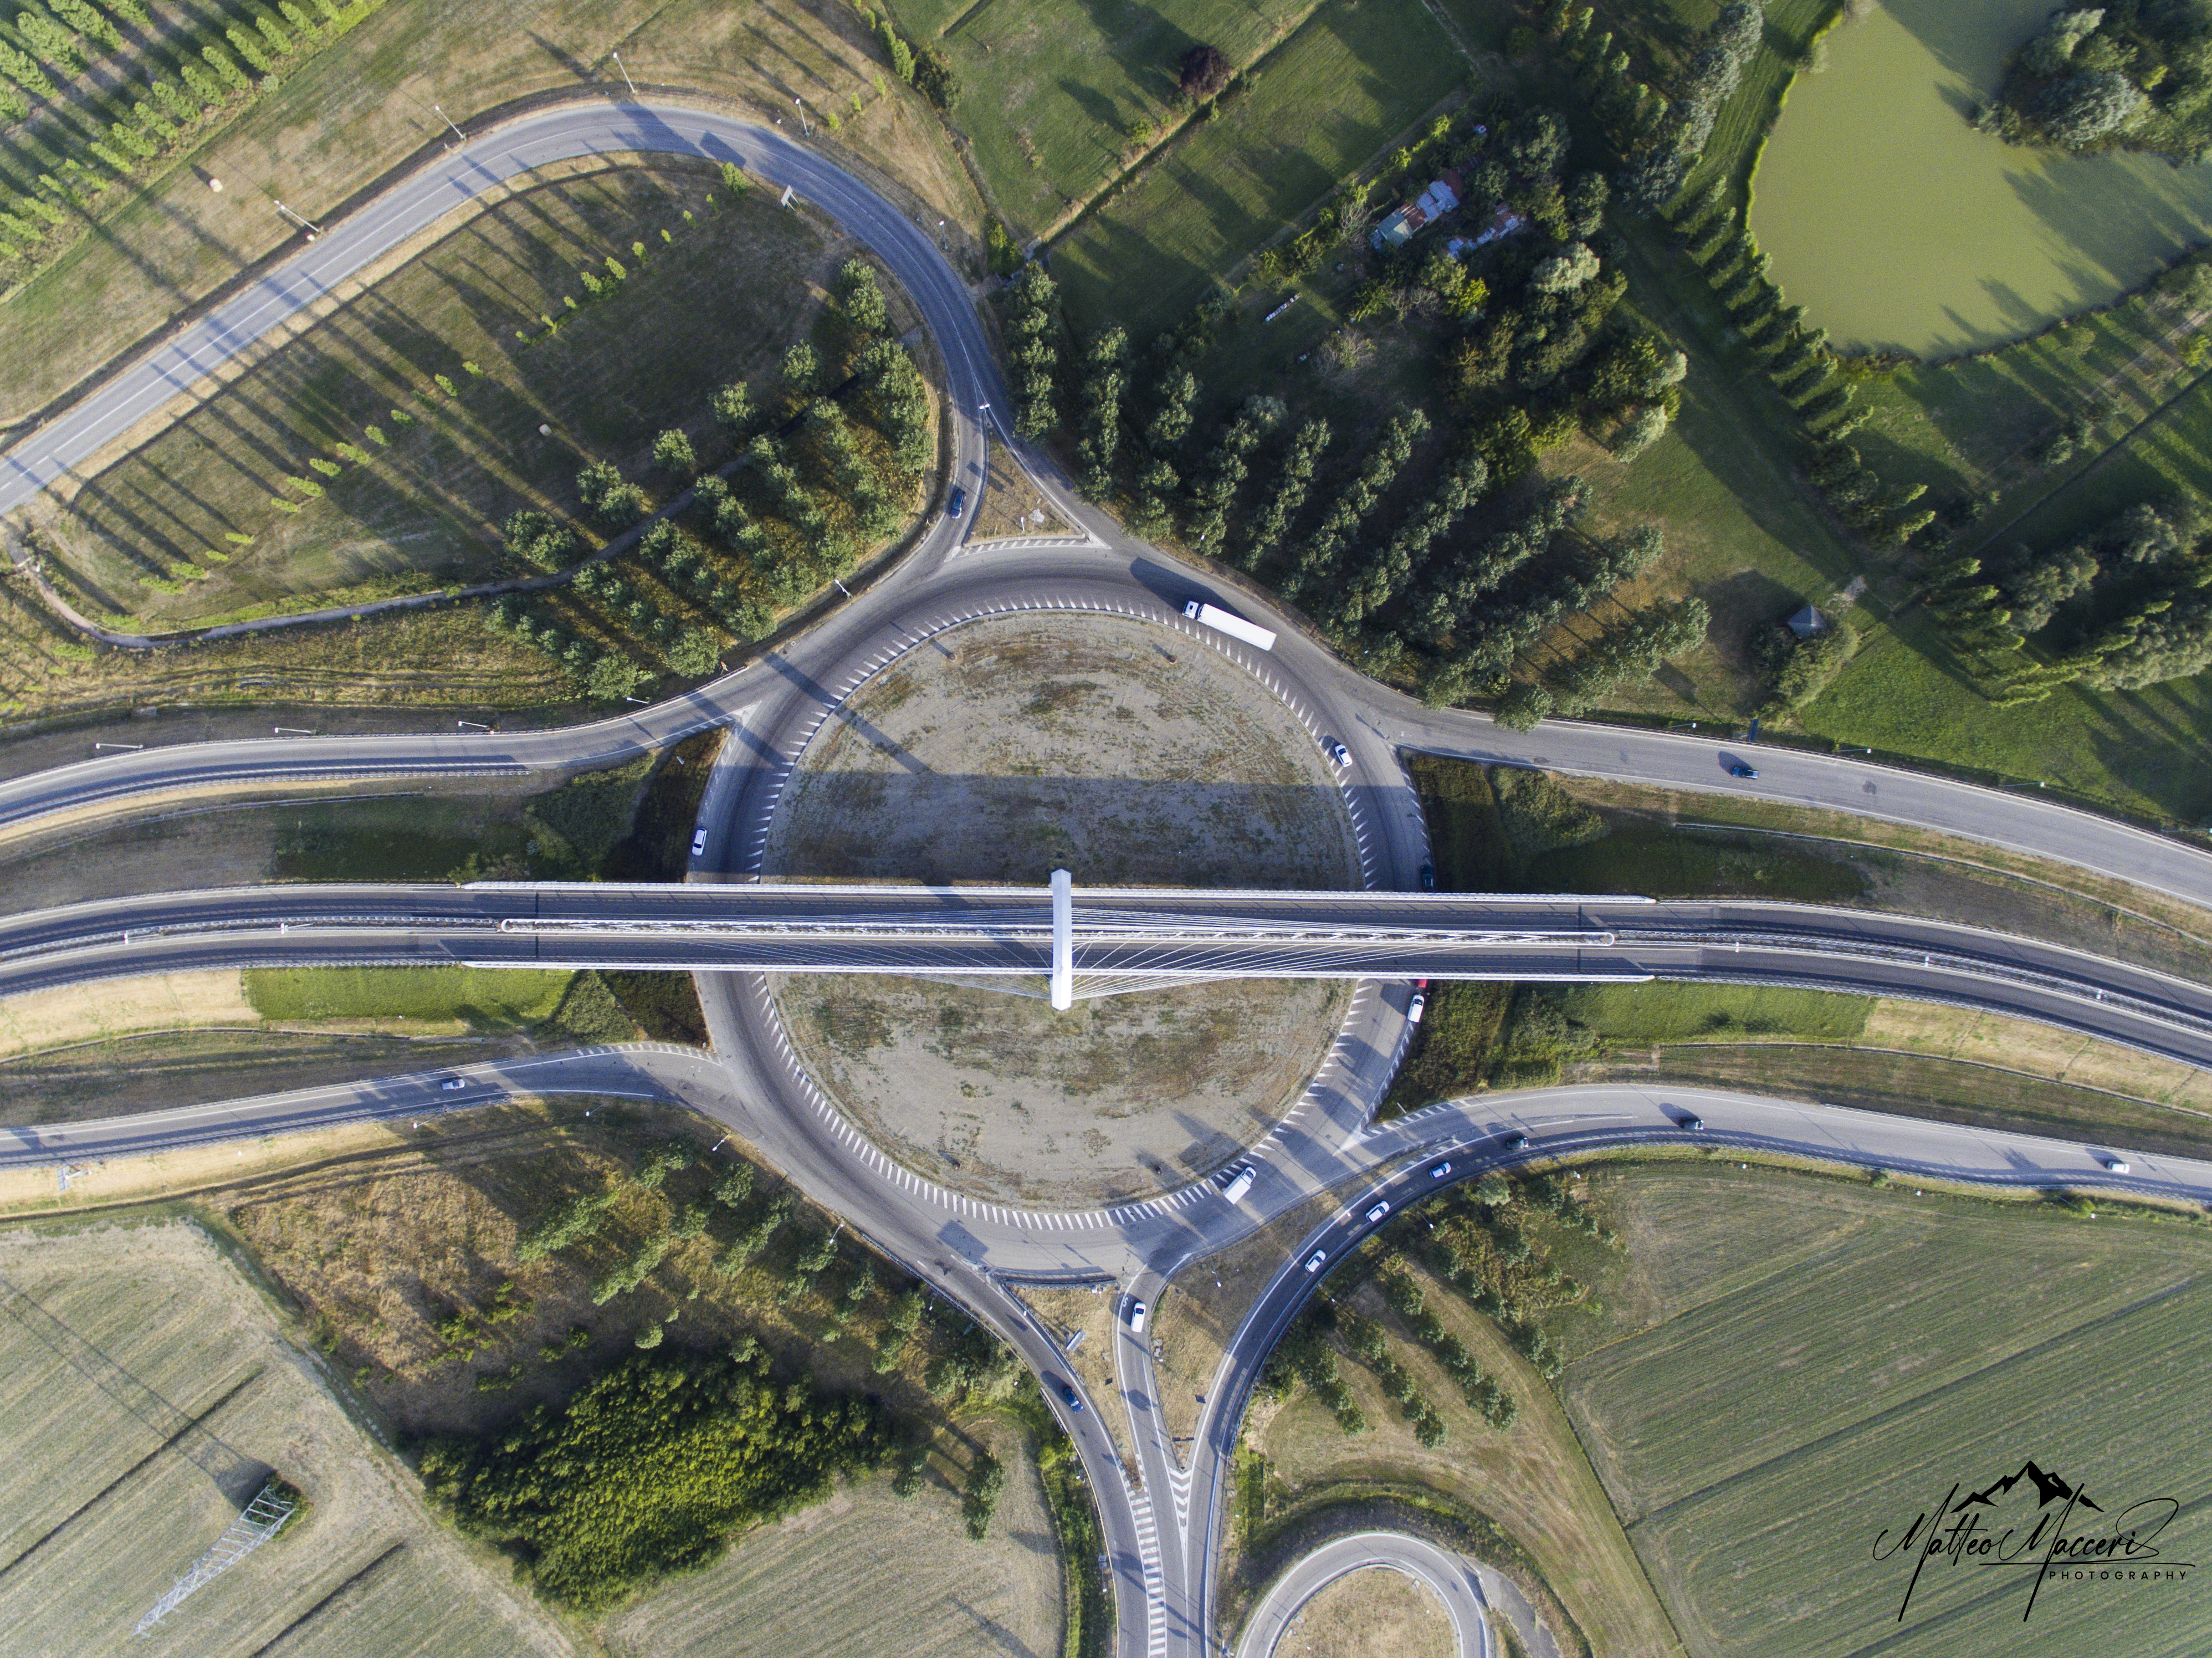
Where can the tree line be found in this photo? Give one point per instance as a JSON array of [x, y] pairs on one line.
[[2127, 76], [821, 466], [54, 173]]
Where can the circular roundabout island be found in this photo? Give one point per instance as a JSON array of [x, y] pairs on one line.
[[1130, 754]]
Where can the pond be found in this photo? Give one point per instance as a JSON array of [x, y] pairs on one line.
[[1899, 228]]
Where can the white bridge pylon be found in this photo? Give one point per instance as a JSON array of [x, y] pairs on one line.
[[1063, 940]]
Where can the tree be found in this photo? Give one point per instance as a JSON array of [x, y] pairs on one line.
[[1171, 415], [802, 369], [899, 54], [861, 297], [1103, 383], [732, 407], [672, 452], [2085, 108], [1033, 345], [614, 677], [987, 1481], [1319, 551], [1640, 431], [1293, 477], [537, 539], [694, 654], [1567, 270], [1204, 71]]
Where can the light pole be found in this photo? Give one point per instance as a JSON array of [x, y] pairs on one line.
[[448, 120], [312, 229], [799, 104], [627, 81]]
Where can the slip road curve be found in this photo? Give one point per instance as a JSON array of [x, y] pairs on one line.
[[1450, 1577], [1163, 1582]]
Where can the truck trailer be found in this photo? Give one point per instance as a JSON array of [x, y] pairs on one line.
[[1234, 626]]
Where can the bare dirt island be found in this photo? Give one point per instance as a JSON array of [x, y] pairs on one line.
[[1125, 753]]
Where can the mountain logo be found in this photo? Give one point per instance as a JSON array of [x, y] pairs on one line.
[[2049, 1489]]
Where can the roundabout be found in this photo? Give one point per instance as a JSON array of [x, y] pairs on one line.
[[997, 751], [1159, 1504]]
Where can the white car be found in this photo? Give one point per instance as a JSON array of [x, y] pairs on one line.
[[1378, 1212], [698, 843], [2117, 1165], [1415, 1008], [1315, 1261], [1339, 755], [451, 1084], [1136, 1318]]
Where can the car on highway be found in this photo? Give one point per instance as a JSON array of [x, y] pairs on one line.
[[1314, 1261], [1440, 1171], [959, 500], [1136, 1318], [448, 1084], [1514, 1142], [1339, 755], [1074, 1400], [1695, 1123], [698, 843], [1428, 877], [1378, 1212], [2117, 1165], [1415, 1008], [1737, 768]]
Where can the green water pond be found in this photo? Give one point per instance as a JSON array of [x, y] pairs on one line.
[[1899, 228]]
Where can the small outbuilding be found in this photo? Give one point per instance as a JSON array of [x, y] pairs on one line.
[[1807, 623]]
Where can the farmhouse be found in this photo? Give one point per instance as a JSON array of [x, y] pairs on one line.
[[1441, 198]]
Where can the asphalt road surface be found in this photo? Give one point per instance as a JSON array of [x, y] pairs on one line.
[[1450, 1577], [1162, 1549]]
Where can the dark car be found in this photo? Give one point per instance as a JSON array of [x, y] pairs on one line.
[[1428, 877], [1514, 1142], [1737, 768], [1074, 1400], [1696, 1125], [959, 500]]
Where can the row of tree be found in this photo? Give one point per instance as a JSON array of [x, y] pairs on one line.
[[2128, 606], [186, 75]]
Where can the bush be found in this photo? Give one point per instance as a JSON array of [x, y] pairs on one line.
[[648, 1471]]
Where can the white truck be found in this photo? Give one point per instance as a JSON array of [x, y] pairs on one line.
[[1233, 1194], [1236, 626]]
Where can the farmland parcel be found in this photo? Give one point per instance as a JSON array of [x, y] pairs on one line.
[[147, 1394], [1866, 1352]]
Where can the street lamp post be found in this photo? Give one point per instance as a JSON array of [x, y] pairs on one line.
[[799, 104], [627, 81], [312, 229], [448, 120]]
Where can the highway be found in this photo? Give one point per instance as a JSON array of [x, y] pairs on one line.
[[1117, 938], [1162, 1549]]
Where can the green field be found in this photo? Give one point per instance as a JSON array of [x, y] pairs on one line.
[[426, 380], [1797, 1366], [1057, 96], [1643, 1015], [1356, 75], [484, 999]]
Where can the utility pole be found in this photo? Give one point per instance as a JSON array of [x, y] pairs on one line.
[[308, 225]]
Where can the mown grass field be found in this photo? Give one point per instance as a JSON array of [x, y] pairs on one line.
[[187, 531], [1345, 85], [149, 1389], [868, 1572], [1058, 97], [1799, 1365]]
